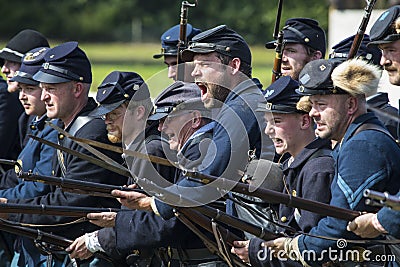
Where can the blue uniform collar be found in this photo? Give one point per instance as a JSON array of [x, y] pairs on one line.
[[246, 86]]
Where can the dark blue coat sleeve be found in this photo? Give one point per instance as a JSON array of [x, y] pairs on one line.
[[146, 230], [36, 157]]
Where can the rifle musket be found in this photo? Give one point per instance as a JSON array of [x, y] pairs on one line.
[[15, 163], [278, 197]]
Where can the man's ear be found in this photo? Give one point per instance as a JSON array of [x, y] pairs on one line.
[[316, 55], [196, 119], [234, 65], [140, 112], [305, 121], [78, 89], [352, 105]]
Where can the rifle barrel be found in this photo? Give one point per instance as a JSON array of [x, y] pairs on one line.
[[278, 19], [276, 197], [180, 73], [52, 210], [41, 236], [34, 234], [361, 29], [382, 199], [79, 186]]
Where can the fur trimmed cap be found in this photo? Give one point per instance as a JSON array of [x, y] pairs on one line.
[[356, 77]]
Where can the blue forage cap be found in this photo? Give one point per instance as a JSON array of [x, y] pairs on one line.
[[174, 95], [220, 39], [315, 78], [117, 88], [281, 96], [303, 31], [384, 31], [372, 54], [65, 63], [170, 39], [31, 63]]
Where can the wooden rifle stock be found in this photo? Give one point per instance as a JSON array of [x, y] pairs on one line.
[[276, 71], [361, 30], [275, 197], [77, 186], [52, 210]]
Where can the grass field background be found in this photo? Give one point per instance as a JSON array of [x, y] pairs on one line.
[[108, 57]]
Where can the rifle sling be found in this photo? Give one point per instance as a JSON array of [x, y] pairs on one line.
[[76, 125], [224, 251], [211, 245]]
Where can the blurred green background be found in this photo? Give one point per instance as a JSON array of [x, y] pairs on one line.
[[106, 58], [124, 34]]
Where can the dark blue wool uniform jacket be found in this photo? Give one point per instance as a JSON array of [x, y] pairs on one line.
[[153, 145], [80, 170], [146, 230], [309, 176], [35, 157], [368, 159]]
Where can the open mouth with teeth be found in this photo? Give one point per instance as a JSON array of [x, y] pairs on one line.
[[203, 89]]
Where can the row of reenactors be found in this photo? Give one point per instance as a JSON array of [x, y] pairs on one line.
[[323, 121]]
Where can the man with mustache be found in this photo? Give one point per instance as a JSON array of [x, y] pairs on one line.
[[385, 33], [183, 119], [339, 110], [376, 101], [303, 41], [222, 70]]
